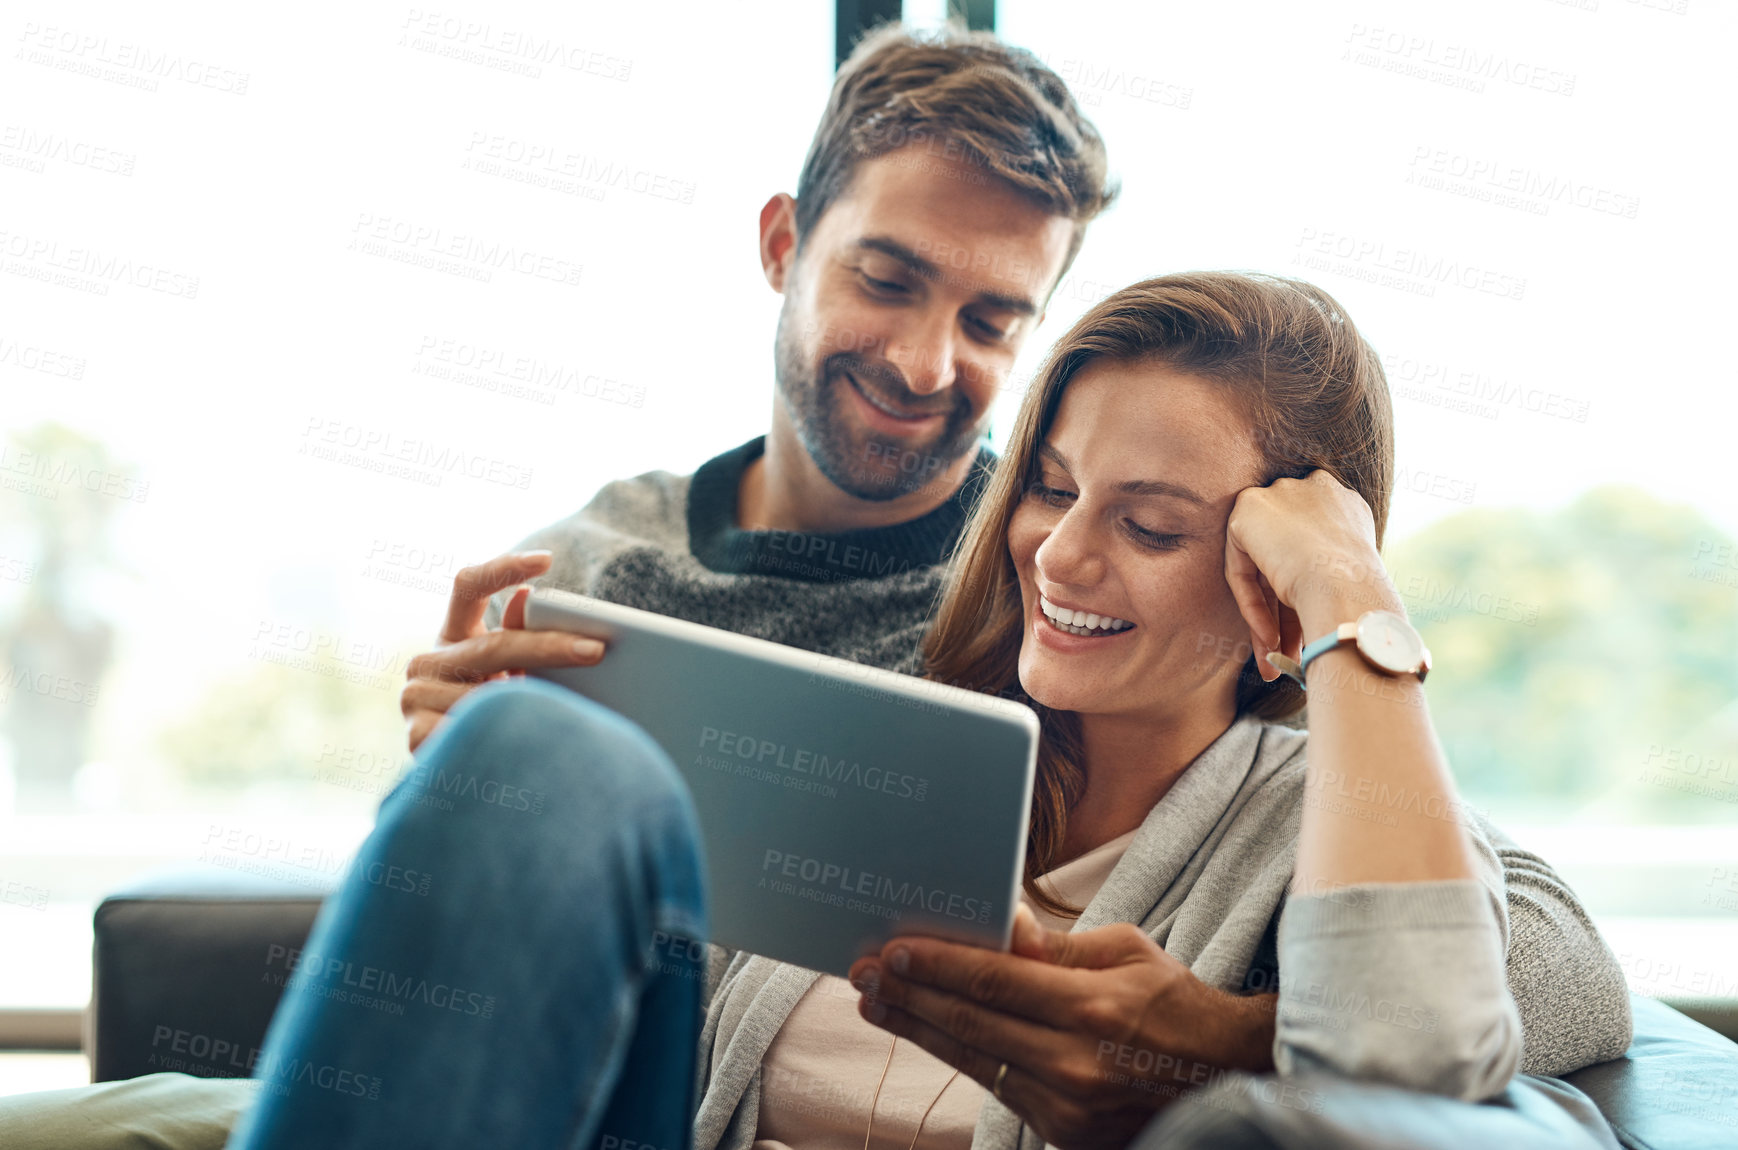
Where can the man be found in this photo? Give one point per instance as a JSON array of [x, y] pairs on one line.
[[946, 191], [915, 261]]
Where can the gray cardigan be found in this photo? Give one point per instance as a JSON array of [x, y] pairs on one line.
[[1398, 983], [634, 543]]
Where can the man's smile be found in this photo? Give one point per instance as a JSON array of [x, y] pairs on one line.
[[880, 404]]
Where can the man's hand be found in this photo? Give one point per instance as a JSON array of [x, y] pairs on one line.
[[1100, 1030], [470, 653]]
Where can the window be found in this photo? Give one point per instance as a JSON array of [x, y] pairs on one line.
[[1518, 206], [301, 316]]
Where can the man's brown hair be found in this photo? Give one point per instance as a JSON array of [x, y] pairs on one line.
[[987, 104]]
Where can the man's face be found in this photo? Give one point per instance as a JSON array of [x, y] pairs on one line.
[[903, 312]]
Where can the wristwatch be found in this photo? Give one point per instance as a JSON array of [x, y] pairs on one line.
[[1385, 640]]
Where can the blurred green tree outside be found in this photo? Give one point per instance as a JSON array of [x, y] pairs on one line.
[[1586, 668], [1586, 658], [281, 724], [61, 494]]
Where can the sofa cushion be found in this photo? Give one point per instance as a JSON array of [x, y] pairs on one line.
[[1676, 1088]]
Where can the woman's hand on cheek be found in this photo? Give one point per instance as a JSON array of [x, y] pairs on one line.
[[1099, 1029], [1292, 545]]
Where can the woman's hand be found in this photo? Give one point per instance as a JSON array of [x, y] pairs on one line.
[[1301, 547], [1300, 555], [1099, 1030]]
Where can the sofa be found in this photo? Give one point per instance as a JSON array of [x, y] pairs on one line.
[[187, 972]]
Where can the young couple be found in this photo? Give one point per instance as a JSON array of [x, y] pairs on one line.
[[1230, 927]]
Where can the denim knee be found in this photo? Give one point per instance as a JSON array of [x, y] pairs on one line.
[[579, 770], [529, 745]]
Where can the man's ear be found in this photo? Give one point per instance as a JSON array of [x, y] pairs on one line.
[[778, 239]]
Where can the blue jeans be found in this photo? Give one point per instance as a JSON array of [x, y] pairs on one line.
[[516, 957]]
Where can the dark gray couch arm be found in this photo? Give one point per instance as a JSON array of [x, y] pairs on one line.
[[1676, 1088], [187, 968]]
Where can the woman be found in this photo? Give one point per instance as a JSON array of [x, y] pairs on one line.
[[1202, 470], [1196, 486]]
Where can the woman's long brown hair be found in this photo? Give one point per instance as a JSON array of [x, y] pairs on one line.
[[1315, 397]]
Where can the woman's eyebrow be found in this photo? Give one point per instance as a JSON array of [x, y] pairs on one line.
[[1133, 486], [1045, 451], [1158, 487]]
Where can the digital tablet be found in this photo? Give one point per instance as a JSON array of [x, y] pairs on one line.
[[840, 805]]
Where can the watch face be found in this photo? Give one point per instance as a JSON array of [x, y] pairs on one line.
[[1389, 641]]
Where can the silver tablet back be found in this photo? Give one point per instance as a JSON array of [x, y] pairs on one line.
[[841, 805]]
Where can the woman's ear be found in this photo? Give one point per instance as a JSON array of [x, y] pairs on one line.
[[778, 239]]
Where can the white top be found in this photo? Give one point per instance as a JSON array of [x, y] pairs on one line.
[[818, 1077]]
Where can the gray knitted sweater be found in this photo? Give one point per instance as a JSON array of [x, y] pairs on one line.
[[1205, 876], [670, 544]]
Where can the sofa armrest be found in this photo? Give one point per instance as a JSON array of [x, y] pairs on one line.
[[183, 976], [1676, 1088]]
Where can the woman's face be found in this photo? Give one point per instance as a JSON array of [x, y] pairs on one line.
[[1126, 522]]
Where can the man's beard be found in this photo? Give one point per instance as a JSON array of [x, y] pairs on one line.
[[861, 463]]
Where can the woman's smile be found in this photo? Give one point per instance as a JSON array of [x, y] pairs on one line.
[[1078, 621]]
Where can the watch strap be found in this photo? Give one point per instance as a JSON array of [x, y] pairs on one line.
[[1344, 633], [1294, 669]]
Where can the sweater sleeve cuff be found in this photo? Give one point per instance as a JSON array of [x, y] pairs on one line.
[[1402, 983]]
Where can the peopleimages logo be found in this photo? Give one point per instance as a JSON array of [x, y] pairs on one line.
[[92, 55], [173, 1049], [472, 256], [50, 474], [489, 792], [1345, 1003], [329, 977], [769, 757], [850, 557], [833, 883], [32, 358], [381, 449], [90, 269]]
